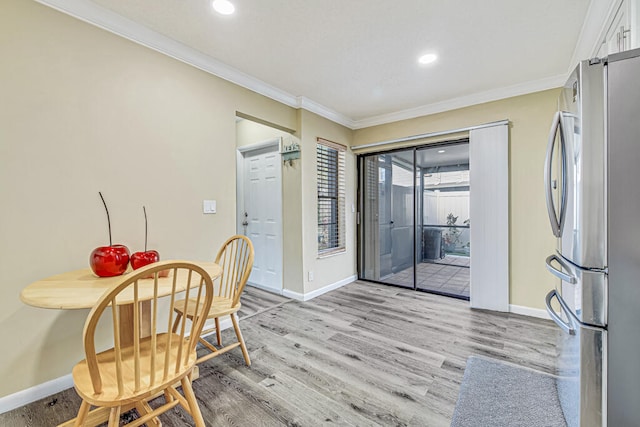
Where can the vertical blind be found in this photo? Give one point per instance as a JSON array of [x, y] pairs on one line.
[[331, 196]]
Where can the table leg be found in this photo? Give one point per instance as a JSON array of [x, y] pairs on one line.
[[126, 322]]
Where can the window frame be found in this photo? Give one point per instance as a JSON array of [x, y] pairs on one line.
[[332, 189]]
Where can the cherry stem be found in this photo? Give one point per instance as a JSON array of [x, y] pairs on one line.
[[108, 219], [145, 228]]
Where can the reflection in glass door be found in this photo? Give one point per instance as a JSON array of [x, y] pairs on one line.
[[388, 220], [414, 229]]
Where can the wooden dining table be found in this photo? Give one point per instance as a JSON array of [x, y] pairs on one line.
[[81, 289]]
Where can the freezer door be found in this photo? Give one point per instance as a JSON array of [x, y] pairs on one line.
[[582, 164], [583, 291], [581, 377], [624, 239]]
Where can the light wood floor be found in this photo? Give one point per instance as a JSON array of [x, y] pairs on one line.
[[362, 355]]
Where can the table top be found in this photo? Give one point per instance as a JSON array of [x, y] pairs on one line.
[[82, 288]]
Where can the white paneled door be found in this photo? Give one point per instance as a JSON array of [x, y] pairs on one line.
[[261, 214]]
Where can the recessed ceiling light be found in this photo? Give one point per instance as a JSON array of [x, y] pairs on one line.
[[428, 58], [223, 7], [440, 151]]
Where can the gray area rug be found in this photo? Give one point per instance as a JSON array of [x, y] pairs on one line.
[[498, 394]]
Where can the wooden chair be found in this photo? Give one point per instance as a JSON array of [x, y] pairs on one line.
[[236, 259], [125, 377]]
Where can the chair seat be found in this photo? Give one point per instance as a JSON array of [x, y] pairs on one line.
[[110, 396], [220, 306]]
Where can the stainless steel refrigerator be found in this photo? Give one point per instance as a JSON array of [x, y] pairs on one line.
[[592, 180]]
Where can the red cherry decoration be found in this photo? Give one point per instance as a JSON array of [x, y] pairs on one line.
[[140, 259], [109, 261], [112, 260]]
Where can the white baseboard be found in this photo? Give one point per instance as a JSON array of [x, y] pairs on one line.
[[310, 295], [37, 392], [293, 295], [266, 288], [528, 311]]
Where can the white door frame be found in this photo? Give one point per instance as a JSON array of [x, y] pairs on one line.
[[276, 145]]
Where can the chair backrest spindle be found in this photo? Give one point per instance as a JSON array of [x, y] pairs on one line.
[[154, 330], [165, 372], [184, 325], [234, 256], [116, 341], [136, 335]]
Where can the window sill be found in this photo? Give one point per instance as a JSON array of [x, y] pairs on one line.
[[331, 253]]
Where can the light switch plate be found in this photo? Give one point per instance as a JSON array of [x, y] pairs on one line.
[[209, 206]]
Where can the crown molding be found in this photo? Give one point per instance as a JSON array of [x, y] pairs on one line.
[[327, 113], [592, 32], [464, 101]]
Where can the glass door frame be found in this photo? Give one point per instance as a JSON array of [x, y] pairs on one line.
[[361, 214]]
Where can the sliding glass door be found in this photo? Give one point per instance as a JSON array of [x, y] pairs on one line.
[[414, 224]]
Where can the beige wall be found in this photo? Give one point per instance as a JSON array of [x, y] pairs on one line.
[[530, 238], [83, 111], [334, 268], [249, 132]]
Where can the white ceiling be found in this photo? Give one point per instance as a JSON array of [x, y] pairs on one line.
[[355, 61]]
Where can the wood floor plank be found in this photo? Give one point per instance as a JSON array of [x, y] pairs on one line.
[[374, 387], [345, 392], [377, 374]]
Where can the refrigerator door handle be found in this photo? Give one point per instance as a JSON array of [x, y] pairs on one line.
[[556, 222], [567, 277], [565, 326]]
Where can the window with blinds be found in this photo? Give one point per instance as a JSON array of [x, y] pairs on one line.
[[331, 196]]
